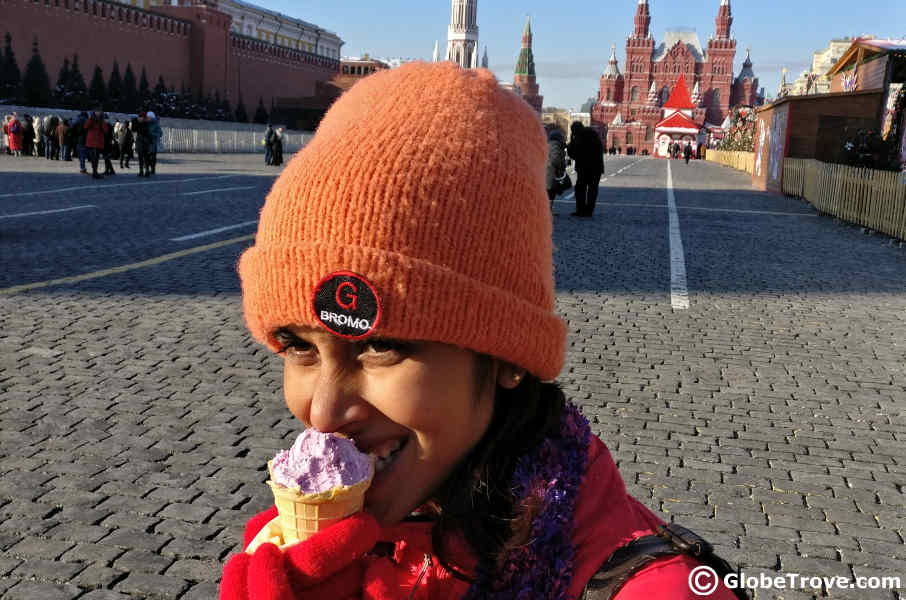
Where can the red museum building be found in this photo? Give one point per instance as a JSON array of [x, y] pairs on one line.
[[630, 106]]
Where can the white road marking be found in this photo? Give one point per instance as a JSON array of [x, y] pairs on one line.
[[679, 291], [748, 212], [47, 212], [212, 231], [570, 197], [232, 189], [112, 185]]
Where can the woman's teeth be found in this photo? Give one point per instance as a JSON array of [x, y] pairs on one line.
[[387, 455]]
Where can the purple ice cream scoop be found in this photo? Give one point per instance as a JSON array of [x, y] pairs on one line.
[[318, 462]]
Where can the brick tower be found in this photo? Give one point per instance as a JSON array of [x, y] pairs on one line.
[[524, 78]]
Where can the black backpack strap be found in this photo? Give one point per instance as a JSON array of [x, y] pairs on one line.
[[671, 540]]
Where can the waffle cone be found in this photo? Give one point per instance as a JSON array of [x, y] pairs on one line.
[[302, 515]]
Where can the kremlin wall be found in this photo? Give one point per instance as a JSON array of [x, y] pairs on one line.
[[191, 44]]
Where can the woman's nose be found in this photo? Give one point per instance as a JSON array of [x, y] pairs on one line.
[[336, 402]]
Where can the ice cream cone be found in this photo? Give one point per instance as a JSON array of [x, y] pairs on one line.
[[302, 515]]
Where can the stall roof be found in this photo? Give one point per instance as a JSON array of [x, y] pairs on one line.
[[866, 47]]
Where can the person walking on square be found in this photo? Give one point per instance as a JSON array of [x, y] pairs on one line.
[[587, 152], [555, 174], [142, 144], [109, 147], [687, 152], [277, 156], [62, 139], [124, 139], [16, 133], [95, 133], [80, 135], [407, 285], [269, 145], [28, 137], [155, 135]]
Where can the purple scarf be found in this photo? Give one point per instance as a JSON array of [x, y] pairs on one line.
[[552, 474]]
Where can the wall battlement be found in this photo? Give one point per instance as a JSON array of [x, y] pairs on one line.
[[253, 47], [113, 12]]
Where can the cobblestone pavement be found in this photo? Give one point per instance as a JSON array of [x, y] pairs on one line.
[[136, 415]]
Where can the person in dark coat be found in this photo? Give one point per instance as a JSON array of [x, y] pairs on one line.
[[70, 140], [28, 140], [277, 157], [556, 164], [586, 150], [79, 134], [109, 147], [269, 145], [687, 152], [142, 144]]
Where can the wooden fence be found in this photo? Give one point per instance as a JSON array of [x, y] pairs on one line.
[[866, 197], [741, 161]]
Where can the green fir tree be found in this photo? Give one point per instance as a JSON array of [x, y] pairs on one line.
[[130, 91], [76, 89], [115, 88], [97, 91], [261, 115], [241, 115], [144, 90], [36, 83], [10, 76], [61, 90]]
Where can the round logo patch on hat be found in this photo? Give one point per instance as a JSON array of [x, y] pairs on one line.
[[347, 305]]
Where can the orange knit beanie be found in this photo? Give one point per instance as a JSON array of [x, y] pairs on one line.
[[417, 212]]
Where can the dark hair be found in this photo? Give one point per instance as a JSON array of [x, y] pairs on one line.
[[476, 500]]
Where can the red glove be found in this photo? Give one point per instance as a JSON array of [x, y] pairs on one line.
[[413, 571], [326, 566]]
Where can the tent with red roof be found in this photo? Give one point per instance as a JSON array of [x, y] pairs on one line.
[[677, 124]]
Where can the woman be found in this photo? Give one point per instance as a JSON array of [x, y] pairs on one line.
[[415, 315], [95, 133], [15, 131]]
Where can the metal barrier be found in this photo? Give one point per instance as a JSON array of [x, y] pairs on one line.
[[190, 135]]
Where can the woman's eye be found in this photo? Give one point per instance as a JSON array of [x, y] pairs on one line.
[[383, 347]]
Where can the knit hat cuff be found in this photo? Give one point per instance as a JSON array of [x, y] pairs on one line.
[[420, 301]]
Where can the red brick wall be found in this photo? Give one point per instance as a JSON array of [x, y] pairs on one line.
[[99, 32], [264, 70], [187, 45]]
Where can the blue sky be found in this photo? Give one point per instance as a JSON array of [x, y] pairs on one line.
[[573, 39]]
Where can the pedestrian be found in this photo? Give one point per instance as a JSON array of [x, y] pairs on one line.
[[555, 177], [142, 144], [39, 136], [51, 132], [109, 147], [79, 135], [687, 152], [407, 285], [269, 145], [62, 135], [587, 152], [95, 132], [28, 137], [155, 133], [277, 156], [124, 139], [16, 133], [70, 140]]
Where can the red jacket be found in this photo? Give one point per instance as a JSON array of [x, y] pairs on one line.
[[95, 132], [607, 518]]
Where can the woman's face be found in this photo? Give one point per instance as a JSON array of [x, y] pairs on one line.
[[416, 405]]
